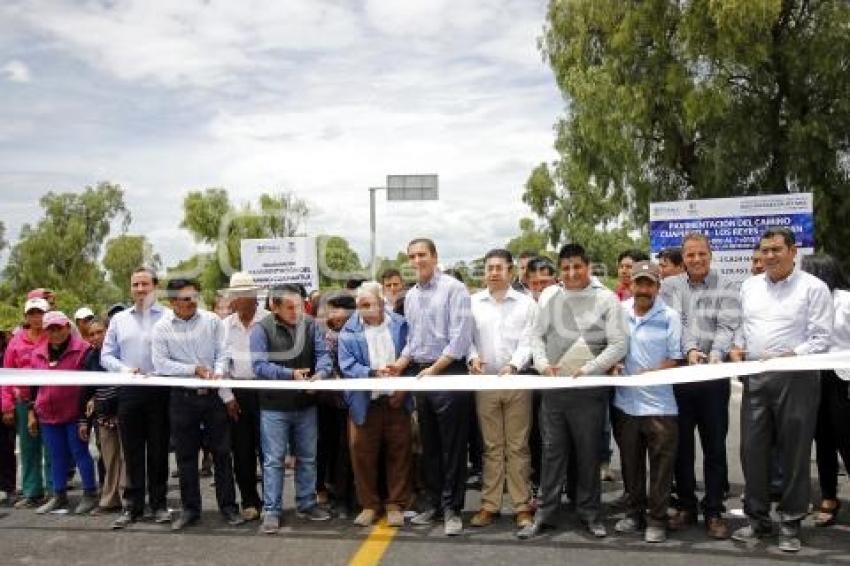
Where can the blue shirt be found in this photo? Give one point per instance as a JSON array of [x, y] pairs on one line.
[[653, 338], [181, 345], [127, 344], [439, 320], [264, 369]]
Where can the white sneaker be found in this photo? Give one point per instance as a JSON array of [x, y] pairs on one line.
[[365, 518]]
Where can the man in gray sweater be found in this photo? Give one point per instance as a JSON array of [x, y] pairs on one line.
[[581, 331]]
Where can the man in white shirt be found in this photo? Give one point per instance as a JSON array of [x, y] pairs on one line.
[[244, 411], [785, 312], [504, 318]]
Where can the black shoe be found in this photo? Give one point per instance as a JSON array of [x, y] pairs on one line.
[[124, 520], [233, 518], [184, 520]]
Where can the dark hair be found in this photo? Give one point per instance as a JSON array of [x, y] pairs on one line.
[[98, 320], [179, 283], [636, 255], [455, 273], [429, 243], [527, 254], [500, 253], [673, 255], [757, 247], [541, 263], [697, 237], [573, 250], [277, 292], [825, 268], [787, 235], [391, 272], [354, 283], [342, 301], [150, 271]]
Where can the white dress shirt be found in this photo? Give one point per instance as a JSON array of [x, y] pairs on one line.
[[791, 315], [237, 349], [502, 330], [841, 329], [379, 341]]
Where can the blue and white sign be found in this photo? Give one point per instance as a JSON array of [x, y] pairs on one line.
[[282, 260], [734, 225]]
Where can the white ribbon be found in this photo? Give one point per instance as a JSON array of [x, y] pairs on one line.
[[683, 374]]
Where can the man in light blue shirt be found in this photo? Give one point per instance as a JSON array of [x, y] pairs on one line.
[[645, 416], [190, 343], [143, 409]]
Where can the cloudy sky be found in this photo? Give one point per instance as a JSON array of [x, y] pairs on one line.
[[321, 98]]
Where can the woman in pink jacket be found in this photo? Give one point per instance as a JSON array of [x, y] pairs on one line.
[[56, 412], [15, 401]]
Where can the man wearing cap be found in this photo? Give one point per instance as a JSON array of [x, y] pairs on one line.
[[710, 314], [16, 404], [83, 318], [142, 410], [645, 416], [243, 404]]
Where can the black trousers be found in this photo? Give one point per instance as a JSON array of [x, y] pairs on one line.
[[571, 420], [8, 463], [833, 432], [334, 473], [783, 407], [704, 407], [245, 434], [189, 411], [444, 431], [144, 428]]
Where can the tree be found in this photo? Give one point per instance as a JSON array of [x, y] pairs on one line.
[[62, 250], [337, 261], [123, 255], [3, 242], [699, 99], [530, 239]]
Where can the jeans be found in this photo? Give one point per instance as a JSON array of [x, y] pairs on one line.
[[63, 440], [275, 428]]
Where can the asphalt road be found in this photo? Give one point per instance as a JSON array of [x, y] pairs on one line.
[[67, 540]]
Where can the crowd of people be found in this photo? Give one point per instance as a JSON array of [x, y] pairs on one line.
[[364, 454]]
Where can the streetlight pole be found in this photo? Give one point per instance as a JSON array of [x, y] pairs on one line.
[[373, 268]]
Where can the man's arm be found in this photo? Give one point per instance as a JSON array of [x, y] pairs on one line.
[[540, 327], [110, 353], [819, 322], [324, 362], [263, 368], [460, 326], [162, 362], [616, 336], [348, 362], [728, 321], [522, 355]]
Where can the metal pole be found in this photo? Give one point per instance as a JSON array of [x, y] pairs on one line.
[[373, 267]]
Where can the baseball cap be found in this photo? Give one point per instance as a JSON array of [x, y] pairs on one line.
[[83, 312], [36, 304], [40, 293], [55, 318], [646, 269]]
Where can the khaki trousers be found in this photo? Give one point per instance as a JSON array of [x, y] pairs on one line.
[[505, 420], [113, 461]]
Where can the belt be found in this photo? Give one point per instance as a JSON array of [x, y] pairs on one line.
[[192, 392]]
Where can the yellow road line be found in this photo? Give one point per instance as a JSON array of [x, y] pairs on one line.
[[375, 545]]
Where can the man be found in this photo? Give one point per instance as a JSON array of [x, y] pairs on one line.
[[541, 275], [440, 332], [82, 319], [580, 331], [757, 264], [244, 409], [393, 286], [625, 261], [645, 416], [503, 318], [670, 262], [521, 282], [142, 410], [710, 314], [190, 343], [785, 312], [288, 344]]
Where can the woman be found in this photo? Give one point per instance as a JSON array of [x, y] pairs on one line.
[[371, 340], [57, 410], [831, 435]]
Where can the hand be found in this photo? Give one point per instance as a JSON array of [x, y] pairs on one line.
[[578, 373], [203, 372], [83, 432], [618, 369], [383, 372], [696, 357], [397, 399], [476, 366], [32, 423], [428, 371], [508, 370], [9, 418], [736, 355], [551, 371], [715, 358], [233, 410], [136, 371], [90, 408], [302, 374], [771, 355], [397, 368]]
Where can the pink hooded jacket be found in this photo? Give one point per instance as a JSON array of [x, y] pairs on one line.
[[18, 356], [59, 404]]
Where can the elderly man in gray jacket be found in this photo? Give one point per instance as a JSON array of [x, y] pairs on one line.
[[580, 331]]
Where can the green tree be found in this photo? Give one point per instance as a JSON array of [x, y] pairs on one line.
[[337, 261], [700, 99], [529, 239], [61, 251], [124, 254], [3, 242]]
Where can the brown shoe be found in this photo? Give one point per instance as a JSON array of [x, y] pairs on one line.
[[524, 519], [681, 520], [717, 528], [483, 518]]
